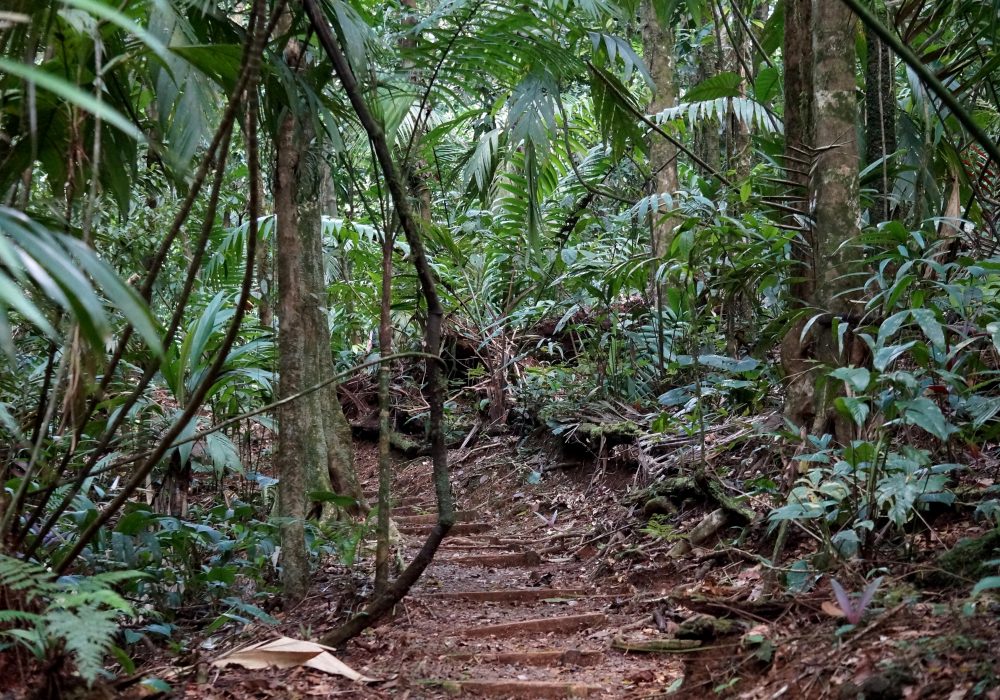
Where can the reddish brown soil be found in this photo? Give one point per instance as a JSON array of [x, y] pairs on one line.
[[537, 616]]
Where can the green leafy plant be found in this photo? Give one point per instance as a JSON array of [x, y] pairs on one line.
[[78, 614]]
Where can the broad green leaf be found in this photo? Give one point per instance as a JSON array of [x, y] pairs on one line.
[[899, 492], [110, 14], [767, 84], [11, 296], [885, 356], [928, 323], [854, 408], [121, 296], [891, 326], [726, 84], [924, 413], [858, 378], [729, 364], [330, 497], [986, 584], [72, 94]]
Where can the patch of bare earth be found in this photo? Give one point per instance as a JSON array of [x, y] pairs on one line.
[[554, 592]]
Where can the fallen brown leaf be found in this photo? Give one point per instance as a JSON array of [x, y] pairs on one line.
[[832, 609], [286, 652]]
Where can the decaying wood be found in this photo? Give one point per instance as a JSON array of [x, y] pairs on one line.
[[655, 645]]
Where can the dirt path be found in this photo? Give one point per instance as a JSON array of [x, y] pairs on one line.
[[520, 603], [505, 611]]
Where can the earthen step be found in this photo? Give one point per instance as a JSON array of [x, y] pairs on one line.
[[462, 547], [462, 516], [372, 499], [543, 625], [556, 657], [456, 529], [499, 560], [420, 509], [502, 688], [509, 595]]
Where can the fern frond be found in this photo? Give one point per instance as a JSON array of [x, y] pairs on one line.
[[98, 597], [14, 616], [87, 632], [614, 109], [26, 576], [481, 166], [750, 112]]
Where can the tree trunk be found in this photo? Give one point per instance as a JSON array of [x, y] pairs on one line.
[[798, 57], [880, 119], [263, 268], [336, 428], [707, 142], [658, 50], [736, 54], [835, 181], [300, 458], [314, 448], [834, 190]]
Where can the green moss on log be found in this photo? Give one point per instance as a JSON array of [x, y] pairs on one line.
[[965, 563]]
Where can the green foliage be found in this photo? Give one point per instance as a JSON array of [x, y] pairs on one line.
[[81, 614], [659, 528]]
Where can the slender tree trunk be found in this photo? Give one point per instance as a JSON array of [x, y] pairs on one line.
[[384, 423], [265, 280], [658, 50], [435, 388], [336, 428], [798, 58], [736, 57], [707, 142], [880, 119], [300, 429], [263, 267]]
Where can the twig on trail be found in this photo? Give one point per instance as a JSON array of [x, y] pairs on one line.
[[472, 434], [474, 450], [601, 537]]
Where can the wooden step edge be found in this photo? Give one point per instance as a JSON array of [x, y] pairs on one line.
[[543, 625], [462, 516], [497, 560], [503, 688], [508, 595], [406, 502], [457, 529], [555, 657]]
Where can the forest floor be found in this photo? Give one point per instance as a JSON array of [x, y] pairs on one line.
[[549, 586]]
